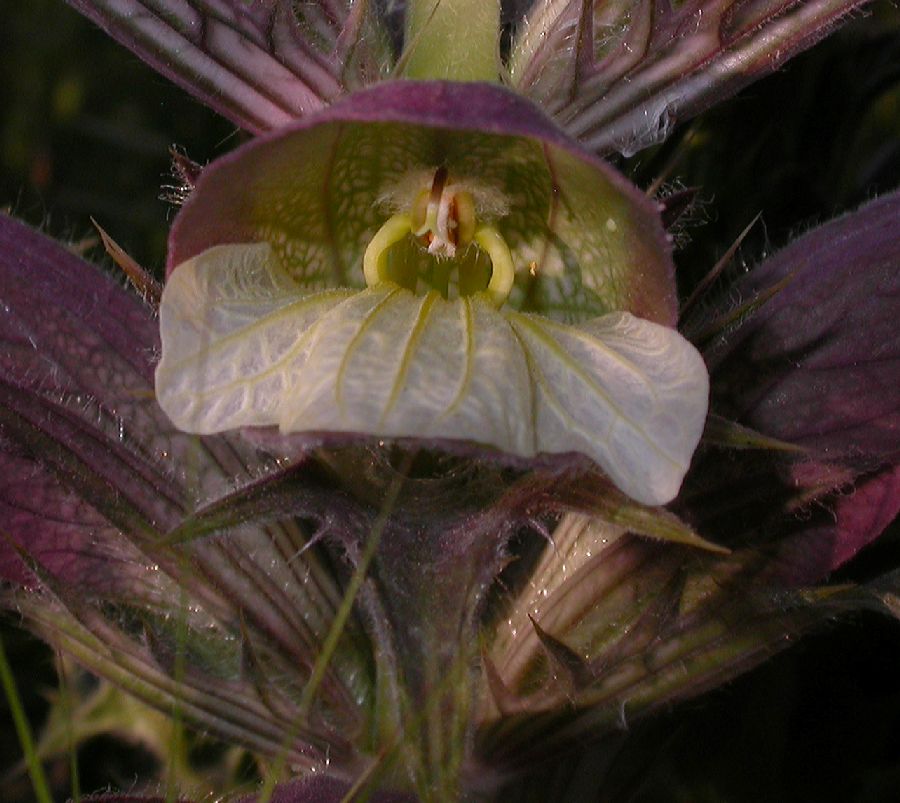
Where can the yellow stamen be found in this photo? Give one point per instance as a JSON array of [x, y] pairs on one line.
[[444, 221], [465, 218], [502, 270], [374, 261]]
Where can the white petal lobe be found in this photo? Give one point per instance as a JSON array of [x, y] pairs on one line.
[[630, 394], [233, 326], [242, 346], [395, 364]]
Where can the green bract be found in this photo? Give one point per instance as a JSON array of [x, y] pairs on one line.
[[264, 320]]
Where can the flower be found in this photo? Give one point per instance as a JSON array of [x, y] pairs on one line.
[[514, 220], [384, 614]]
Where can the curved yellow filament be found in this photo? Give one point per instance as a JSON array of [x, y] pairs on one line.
[[486, 237], [465, 219], [502, 270], [394, 230]]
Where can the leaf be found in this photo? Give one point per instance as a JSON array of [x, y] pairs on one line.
[[575, 670], [818, 365], [255, 63], [589, 587], [73, 370], [67, 536], [815, 367], [620, 75], [79, 350], [299, 490], [727, 434], [857, 519], [108, 650], [656, 625]]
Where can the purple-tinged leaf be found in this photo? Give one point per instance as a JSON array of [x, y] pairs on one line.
[[49, 296], [76, 353], [78, 350], [620, 75], [256, 63], [857, 519], [95, 476], [299, 490], [819, 364], [105, 472], [66, 536]]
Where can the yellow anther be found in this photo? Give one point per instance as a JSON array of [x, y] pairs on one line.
[[394, 230], [502, 270]]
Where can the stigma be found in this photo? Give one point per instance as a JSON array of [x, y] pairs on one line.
[[443, 217]]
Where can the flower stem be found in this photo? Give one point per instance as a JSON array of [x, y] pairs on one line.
[[455, 40]]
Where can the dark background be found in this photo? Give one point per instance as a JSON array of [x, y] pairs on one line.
[[85, 130]]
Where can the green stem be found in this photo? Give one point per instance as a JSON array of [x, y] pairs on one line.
[[456, 40], [336, 631], [20, 720]]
